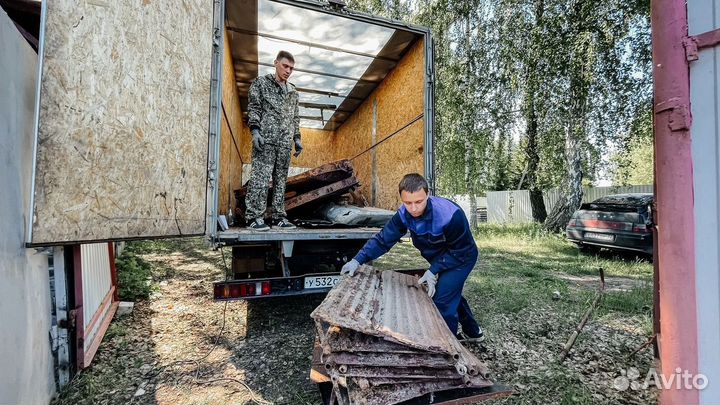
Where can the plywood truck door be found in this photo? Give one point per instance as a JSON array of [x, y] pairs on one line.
[[122, 140]]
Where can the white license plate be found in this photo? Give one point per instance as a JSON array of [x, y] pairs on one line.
[[321, 281], [600, 236]]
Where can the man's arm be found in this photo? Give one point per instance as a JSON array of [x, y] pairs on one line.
[[460, 244], [383, 241], [254, 105]]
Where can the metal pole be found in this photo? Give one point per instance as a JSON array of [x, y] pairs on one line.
[[674, 181]]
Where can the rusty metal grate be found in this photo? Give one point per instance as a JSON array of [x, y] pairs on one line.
[[381, 340]]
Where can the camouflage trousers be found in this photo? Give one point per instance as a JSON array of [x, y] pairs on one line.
[[268, 162]]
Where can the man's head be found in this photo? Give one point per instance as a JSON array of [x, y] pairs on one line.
[[413, 190], [284, 65]]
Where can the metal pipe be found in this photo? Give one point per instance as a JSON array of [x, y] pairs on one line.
[[674, 178]]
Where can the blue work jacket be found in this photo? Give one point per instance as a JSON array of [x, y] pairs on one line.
[[441, 233]]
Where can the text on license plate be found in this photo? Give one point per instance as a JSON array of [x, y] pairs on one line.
[[599, 236], [321, 281]]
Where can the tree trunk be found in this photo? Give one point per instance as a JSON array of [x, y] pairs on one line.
[[468, 124], [574, 132], [537, 204]]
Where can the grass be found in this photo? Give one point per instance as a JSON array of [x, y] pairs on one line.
[[528, 291]]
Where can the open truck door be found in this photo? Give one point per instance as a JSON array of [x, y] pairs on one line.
[[125, 139], [127, 116]]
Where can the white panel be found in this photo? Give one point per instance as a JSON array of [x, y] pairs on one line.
[[704, 15], [96, 277]]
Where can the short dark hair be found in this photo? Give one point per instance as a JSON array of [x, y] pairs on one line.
[[285, 54], [413, 182]]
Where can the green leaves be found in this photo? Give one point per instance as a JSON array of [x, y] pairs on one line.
[[508, 70]]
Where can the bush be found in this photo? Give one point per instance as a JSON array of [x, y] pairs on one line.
[[134, 277]]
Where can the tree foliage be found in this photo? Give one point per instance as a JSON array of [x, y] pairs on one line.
[[533, 93]]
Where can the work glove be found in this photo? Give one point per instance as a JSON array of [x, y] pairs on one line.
[[430, 280], [350, 267], [257, 139], [298, 148]]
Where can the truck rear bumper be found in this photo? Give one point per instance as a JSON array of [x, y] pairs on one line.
[[273, 287], [250, 289], [235, 235]]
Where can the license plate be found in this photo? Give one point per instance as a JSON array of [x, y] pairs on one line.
[[600, 236], [321, 281]]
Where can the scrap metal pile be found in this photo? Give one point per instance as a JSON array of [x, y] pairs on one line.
[[381, 340], [311, 198]]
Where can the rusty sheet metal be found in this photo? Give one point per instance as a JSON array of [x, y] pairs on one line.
[[391, 359], [362, 394], [383, 341], [391, 305], [351, 341], [322, 193], [398, 372]]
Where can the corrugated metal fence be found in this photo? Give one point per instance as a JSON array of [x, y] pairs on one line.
[[513, 206]]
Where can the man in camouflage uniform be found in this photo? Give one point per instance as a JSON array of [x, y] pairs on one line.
[[273, 118]]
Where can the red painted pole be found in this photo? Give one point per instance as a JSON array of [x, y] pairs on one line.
[[674, 184]]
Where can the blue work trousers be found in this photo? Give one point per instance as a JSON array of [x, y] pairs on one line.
[[452, 305]]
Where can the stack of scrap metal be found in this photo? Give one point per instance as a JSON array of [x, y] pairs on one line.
[[381, 340], [308, 190]]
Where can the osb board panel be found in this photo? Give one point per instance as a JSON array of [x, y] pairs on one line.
[[317, 148], [122, 149], [400, 99], [231, 136]]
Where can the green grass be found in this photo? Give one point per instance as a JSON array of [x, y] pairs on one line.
[[529, 290], [134, 274]]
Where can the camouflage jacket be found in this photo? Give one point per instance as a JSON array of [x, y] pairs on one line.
[[273, 111]]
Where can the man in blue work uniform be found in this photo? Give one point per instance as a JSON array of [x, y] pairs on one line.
[[440, 231]]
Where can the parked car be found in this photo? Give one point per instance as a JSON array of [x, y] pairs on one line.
[[618, 222]]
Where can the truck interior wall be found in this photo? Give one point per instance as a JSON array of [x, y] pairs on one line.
[[400, 99], [231, 137]]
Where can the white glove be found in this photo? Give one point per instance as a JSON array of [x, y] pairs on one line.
[[350, 267], [430, 279]]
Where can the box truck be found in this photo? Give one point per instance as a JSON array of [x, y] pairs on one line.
[[141, 128]]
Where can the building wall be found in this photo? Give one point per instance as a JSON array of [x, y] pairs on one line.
[[26, 375], [704, 16]]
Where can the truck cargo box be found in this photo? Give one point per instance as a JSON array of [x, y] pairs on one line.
[[141, 129]]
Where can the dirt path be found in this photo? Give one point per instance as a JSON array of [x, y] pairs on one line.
[[180, 347]]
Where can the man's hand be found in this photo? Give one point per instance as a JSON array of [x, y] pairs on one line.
[[298, 148], [350, 267], [257, 139], [430, 279]]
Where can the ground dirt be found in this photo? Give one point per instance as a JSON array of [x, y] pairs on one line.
[[181, 347]]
